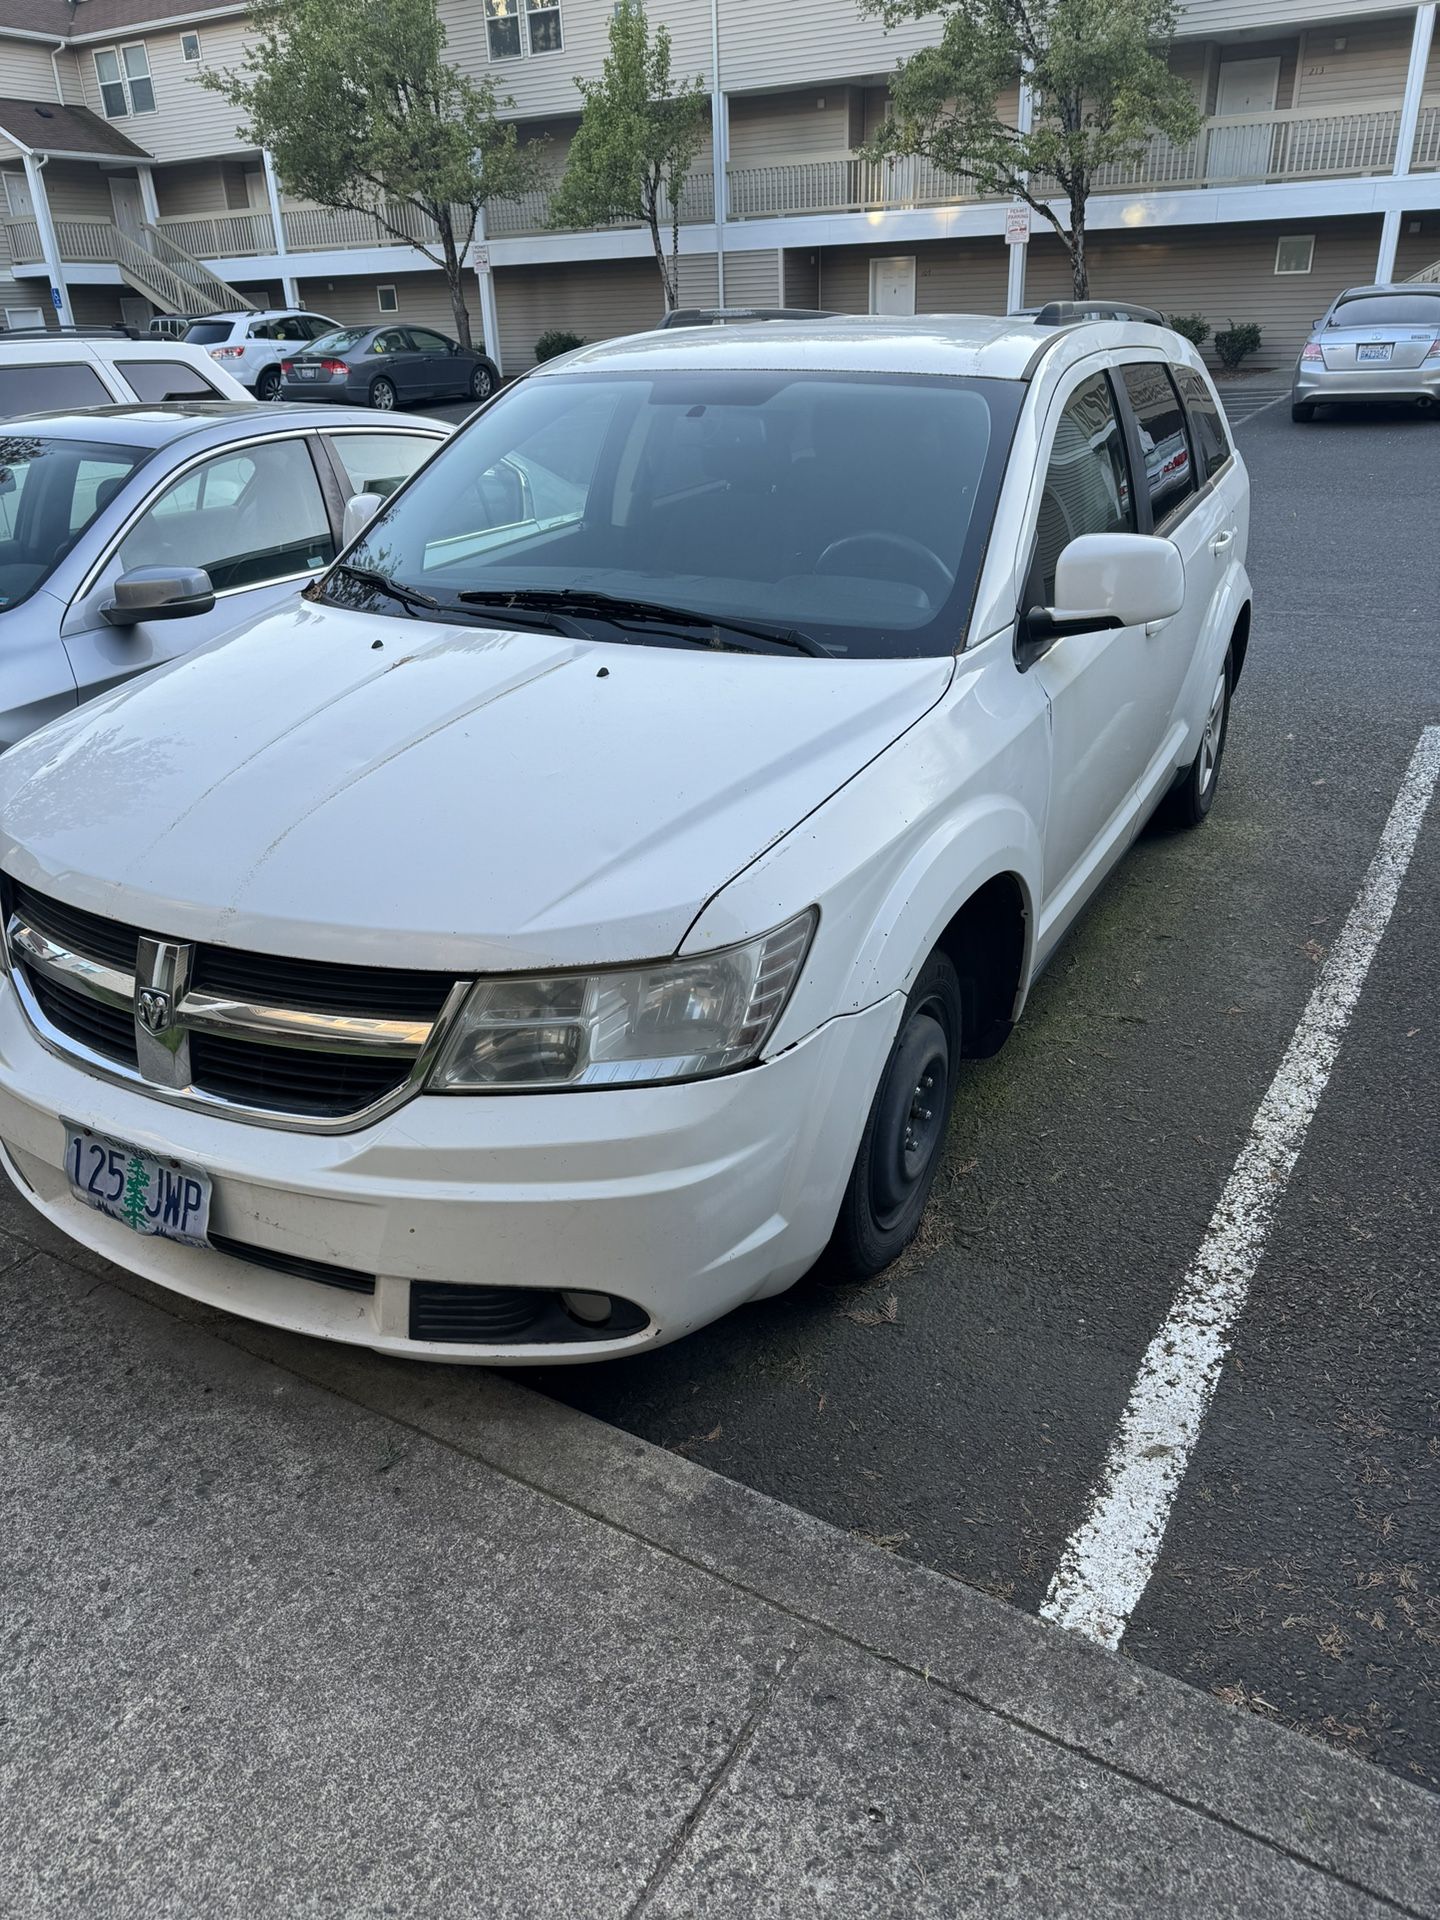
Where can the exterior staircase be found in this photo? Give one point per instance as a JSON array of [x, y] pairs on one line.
[[170, 278], [1430, 273]]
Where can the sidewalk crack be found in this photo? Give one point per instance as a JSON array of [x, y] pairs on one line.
[[729, 1760]]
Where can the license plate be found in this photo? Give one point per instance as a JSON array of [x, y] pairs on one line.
[[161, 1198], [1372, 353]]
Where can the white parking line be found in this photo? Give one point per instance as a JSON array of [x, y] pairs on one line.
[[1107, 1562]]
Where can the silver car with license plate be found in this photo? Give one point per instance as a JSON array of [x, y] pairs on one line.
[[1375, 343]]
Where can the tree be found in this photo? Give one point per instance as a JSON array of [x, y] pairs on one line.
[[1100, 88], [361, 112], [637, 140]]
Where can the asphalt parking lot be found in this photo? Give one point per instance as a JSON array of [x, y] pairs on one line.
[[959, 1411]]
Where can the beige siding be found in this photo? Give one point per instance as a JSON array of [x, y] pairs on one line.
[[1224, 276], [97, 306], [951, 276], [1371, 67], [753, 279], [72, 87], [25, 71], [195, 186], [188, 121], [77, 191], [598, 299], [1417, 251], [1245, 16], [699, 282], [422, 298], [796, 126]]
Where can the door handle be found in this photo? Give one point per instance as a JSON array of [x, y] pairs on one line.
[[1222, 540]]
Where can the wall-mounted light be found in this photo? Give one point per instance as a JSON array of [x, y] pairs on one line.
[[1340, 45]]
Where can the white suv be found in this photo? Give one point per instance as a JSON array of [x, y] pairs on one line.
[[250, 346], [44, 370], [570, 920]]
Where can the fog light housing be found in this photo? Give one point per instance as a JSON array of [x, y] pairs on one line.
[[592, 1308]]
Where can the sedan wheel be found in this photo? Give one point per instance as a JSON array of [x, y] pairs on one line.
[[267, 387], [482, 383], [382, 395], [905, 1134]]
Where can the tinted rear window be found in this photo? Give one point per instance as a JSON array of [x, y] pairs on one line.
[[208, 333], [1169, 473], [166, 380], [1389, 310], [50, 389]]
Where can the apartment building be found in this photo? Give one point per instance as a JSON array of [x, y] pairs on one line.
[[125, 189]]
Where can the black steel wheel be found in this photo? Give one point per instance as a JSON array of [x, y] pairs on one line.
[[904, 1135]]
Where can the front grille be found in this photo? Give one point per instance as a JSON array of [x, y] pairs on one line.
[[349, 1279], [291, 1079], [102, 1028], [322, 1083]]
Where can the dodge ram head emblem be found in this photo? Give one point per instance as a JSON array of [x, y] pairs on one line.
[[153, 1008]]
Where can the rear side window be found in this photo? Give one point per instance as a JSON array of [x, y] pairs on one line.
[[1087, 481], [1169, 470], [208, 333], [1207, 429], [50, 389], [167, 380]]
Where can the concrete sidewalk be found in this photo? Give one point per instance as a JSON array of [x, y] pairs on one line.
[[293, 1631]]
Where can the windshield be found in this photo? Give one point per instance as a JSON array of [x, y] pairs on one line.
[[208, 333], [339, 340], [1389, 310], [50, 491], [853, 508]]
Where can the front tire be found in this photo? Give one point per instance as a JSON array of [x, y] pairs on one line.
[[1188, 803], [482, 383], [904, 1137], [383, 395], [267, 387]]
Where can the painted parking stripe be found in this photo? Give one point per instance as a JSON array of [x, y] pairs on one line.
[[1108, 1561]]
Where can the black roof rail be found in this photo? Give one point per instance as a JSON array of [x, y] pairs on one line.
[[1060, 313], [119, 331]]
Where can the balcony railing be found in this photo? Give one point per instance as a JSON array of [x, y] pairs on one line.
[[530, 213], [220, 236]]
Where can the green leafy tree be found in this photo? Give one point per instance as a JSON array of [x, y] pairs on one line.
[[1100, 86], [640, 130], [137, 1192], [362, 112]]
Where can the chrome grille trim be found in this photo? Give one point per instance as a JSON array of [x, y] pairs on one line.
[[412, 1044]]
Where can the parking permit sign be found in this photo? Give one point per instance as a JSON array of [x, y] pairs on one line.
[[1017, 226]]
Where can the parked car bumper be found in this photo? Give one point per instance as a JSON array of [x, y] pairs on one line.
[[683, 1200], [315, 391], [1316, 386]]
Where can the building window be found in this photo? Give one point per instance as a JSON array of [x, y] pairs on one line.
[[124, 77], [543, 19], [502, 28], [1294, 253], [386, 301], [190, 49]]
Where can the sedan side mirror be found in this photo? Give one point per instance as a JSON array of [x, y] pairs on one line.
[[360, 510], [159, 593], [1111, 580]]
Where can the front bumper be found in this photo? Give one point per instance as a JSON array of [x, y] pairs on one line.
[[685, 1200], [1318, 385]]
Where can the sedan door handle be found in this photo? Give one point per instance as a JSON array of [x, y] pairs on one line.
[[1222, 540]]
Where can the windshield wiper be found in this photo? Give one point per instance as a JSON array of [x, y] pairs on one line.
[[410, 597], [640, 613]]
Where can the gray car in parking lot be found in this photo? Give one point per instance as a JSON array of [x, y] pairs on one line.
[[388, 366], [130, 535], [1374, 343]]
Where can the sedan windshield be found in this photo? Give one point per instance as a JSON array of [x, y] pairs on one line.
[[50, 491], [847, 512], [1389, 310], [338, 341]]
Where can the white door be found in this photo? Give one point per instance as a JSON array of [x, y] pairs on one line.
[[129, 207], [24, 316], [1245, 87], [892, 285], [17, 191]]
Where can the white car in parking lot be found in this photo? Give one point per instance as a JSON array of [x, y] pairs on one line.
[[568, 920]]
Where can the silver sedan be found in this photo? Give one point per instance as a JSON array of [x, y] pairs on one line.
[[131, 535], [1375, 343]]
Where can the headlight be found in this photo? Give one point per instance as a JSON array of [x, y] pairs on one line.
[[677, 1020]]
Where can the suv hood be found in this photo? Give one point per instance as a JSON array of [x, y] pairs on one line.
[[349, 787]]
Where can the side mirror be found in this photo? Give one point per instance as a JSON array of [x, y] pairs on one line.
[[360, 510], [1111, 580], [159, 593]]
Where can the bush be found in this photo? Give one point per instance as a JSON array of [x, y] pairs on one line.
[[1193, 327], [1233, 345], [555, 340]]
